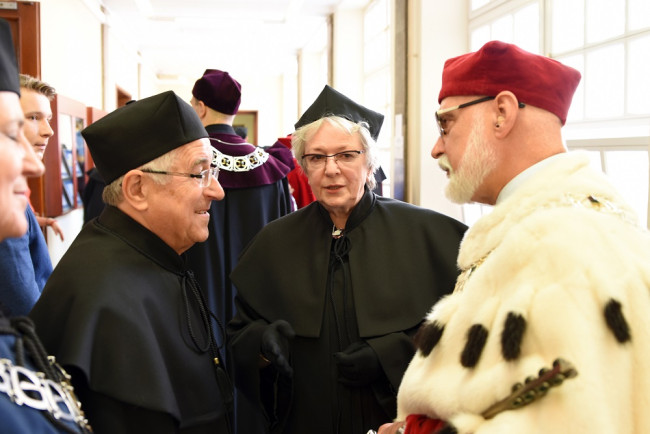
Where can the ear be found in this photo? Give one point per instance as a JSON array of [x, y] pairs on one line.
[[201, 109], [506, 114], [135, 189]]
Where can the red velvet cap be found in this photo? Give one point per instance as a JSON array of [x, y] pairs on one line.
[[219, 91], [535, 80]]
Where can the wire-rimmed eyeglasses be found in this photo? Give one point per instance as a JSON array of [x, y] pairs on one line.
[[317, 161], [442, 122], [204, 177]]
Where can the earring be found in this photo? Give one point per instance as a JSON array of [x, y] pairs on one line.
[[497, 125]]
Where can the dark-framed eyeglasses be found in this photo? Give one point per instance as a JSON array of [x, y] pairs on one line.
[[442, 122], [204, 177], [317, 161]]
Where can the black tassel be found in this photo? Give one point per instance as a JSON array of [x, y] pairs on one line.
[[428, 336], [476, 338], [616, 321], [512, 335]]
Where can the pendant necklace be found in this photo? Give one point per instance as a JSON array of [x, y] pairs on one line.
[[336, 232]]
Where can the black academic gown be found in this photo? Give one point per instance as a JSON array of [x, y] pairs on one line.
[[121, 313], [92, 195], [375, 284]]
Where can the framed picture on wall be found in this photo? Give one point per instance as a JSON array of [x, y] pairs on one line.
[[248, 120]]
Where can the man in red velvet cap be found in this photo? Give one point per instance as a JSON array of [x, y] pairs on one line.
[[257, 191], [557, 270]]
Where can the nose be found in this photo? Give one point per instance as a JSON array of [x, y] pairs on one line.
[[331, 166], [46, 129], [32, 165], [438, 150], [214, 191]]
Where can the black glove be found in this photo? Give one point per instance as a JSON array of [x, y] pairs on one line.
[[275, 345], [358, 365]]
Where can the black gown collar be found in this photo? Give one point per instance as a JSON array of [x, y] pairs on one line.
[[119, 224], [359, 213], [220, 129]]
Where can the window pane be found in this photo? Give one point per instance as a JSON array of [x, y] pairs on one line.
[[594, 160], [474, 211], [639, 13], [628, 171], [479, 3], [638, 76], [375, 19], [479, 37], [376, 52], [502, 29], [527, 28], [567, 25], [376, 91], [605, 18], [576, 111], [604, 82]]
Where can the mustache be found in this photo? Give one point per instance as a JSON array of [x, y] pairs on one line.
[[443, 163]]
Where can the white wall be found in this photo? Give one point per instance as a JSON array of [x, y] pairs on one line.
[[347, 63], [71, 57], [84, 56]]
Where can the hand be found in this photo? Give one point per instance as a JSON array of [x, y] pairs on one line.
[[48, 221], [392, 428], [57, 229], [358, 365], [275, 345]]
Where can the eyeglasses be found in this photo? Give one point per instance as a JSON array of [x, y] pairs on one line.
[[204, 177], [442, 122], [317, 161]]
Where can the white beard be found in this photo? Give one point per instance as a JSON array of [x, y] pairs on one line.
[[477, 163]]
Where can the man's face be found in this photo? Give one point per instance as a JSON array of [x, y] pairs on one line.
[[17, 161], [179, 209], [465, 154], [338, 186], [38, 115]]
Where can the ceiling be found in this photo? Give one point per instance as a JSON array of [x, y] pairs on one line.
[[180, 39]]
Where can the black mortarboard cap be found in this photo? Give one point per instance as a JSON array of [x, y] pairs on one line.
[[333, 102], [8, 67], [140, 132]]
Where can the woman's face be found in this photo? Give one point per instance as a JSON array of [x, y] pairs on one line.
[[13, 184], [338, 186]]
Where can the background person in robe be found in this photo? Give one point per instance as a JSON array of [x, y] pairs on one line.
[[22, 367], [559, 267], [257, 192], [323, 331], [122, 310], [298, 182]]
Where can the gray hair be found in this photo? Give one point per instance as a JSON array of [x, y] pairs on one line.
[[303, 134], [112, 194]]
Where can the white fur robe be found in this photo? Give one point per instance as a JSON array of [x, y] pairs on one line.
[[555, 259]]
